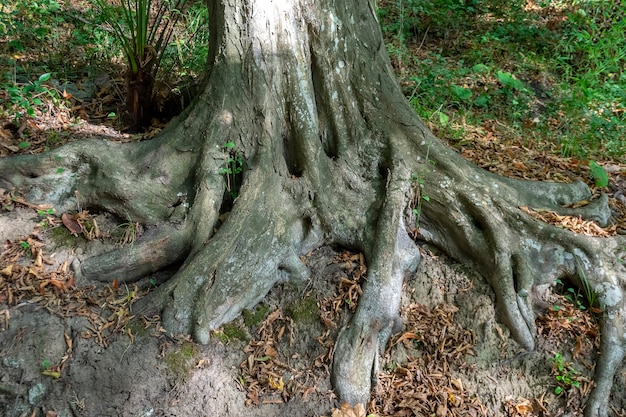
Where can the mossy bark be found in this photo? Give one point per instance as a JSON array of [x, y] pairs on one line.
[[331, 151]]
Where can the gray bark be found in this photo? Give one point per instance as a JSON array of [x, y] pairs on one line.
[[306, 92]]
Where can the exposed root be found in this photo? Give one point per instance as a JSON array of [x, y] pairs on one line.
[[258, 246], [129, 181], [157, 249], [319, 119], [355, 361], [521, 257]]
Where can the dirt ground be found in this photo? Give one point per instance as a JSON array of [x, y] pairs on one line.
[[467, 366]]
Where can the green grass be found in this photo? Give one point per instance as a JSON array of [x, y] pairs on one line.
[[553, 72]]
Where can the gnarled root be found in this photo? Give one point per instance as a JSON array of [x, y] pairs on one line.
[[392, 256], [258, 246], [521, 257]]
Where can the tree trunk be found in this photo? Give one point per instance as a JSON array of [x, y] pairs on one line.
[[331, 154]]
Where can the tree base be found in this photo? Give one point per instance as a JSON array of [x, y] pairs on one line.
[[323, 160]]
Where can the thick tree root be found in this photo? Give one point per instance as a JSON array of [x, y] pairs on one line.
[[522, 258], [104, 175], [257, 247], [355, 362], [157, 249]]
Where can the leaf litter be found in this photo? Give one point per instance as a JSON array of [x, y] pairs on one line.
[[27, 276], [267, 373]]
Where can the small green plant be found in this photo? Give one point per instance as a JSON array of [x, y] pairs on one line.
[[599, 174], [143, 29], [25, 98], [418, 197], [576, 298], [588, 292], [565, 375], [25, 22], [571, 294], [233, 169], [47, 212], [128, 232], [48, 369], [25, 245]]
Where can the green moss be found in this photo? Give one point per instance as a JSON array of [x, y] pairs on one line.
[[305, 311], [61, 236], [230, 332], [179, 362], [255, 317], [137, 328]]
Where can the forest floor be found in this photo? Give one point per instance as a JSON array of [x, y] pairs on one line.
[[75, 349], [72, 348]]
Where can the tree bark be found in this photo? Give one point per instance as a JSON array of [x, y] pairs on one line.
[[332, 154]]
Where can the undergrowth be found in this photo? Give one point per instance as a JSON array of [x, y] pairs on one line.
[[550, 71], [70, 41]]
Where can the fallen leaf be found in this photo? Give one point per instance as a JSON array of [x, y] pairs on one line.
[[202, 363], [8, 271], [524, 407], [51, 373], [408, 336], [68, 341], [276, 384], [72, 225], [347, 411], [457, 383]]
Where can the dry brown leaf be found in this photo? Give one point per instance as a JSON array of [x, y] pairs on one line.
[[408, 336], [8, 271], [72, 225], [524, 407], [346, 411], [457, 383]]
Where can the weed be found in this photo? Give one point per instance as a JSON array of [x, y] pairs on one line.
[[599, 174], [417, 193], [589, 294], [232, 171], [25, 22], [468, 62], [79, 403], [143, 30], [418, 197], [47, 212], [565, 375], [128, 232], [25, 98]]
